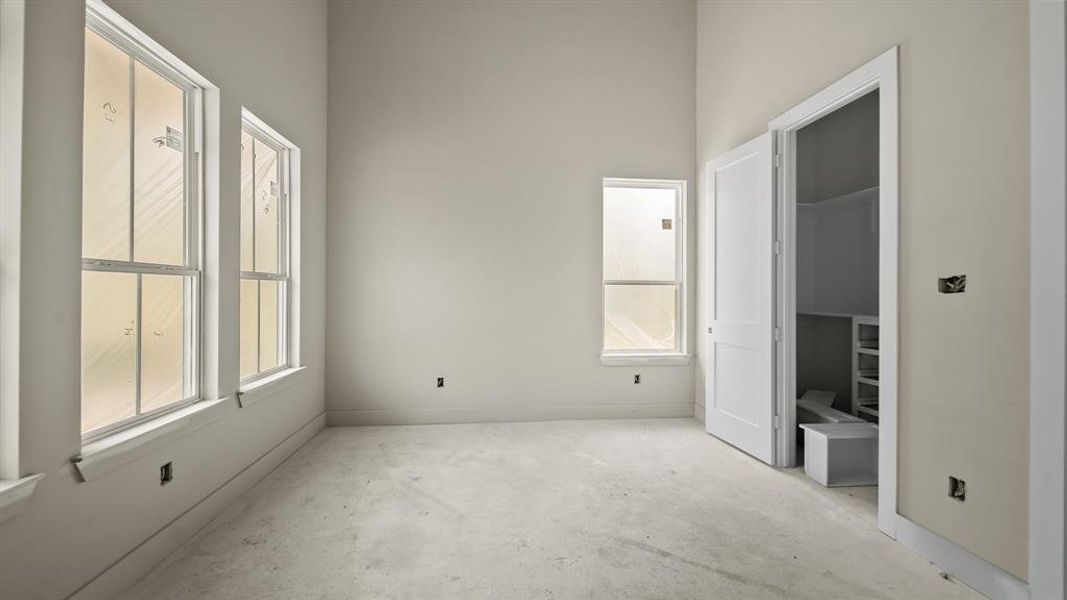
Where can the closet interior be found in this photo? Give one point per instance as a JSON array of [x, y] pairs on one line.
[[837, 239]]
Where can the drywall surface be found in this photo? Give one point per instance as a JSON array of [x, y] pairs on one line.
[[824, 357], [837, 255], [468, 141], [963, 390], [72, 531], [838, 154]]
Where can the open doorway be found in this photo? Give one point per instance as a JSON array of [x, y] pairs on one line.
[[836, 231], [836, 288]]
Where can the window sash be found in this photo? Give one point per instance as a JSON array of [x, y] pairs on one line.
[[283, 324], [193, 222], [282, 275], [190, 364], [679, 281], [283, 173]]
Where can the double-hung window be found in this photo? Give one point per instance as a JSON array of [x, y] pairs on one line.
[[140, 233], [644, 268], [265, 281]]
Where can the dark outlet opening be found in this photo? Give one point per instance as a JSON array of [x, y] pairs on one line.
[[166, 474], [957, 489], [637, 379], [440, 382], [956, 284]]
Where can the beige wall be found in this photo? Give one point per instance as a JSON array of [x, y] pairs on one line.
[[271, 59], [467, 145], [964, 209]]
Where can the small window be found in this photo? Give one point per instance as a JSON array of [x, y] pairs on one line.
[[265, 278], [644, 267], [140, 232]]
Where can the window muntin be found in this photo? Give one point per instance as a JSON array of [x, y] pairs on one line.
[[265, 280], [643, 266], [140, 221]]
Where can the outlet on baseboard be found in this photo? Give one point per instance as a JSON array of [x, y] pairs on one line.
[[637, 378], [166, 473], [440, 382]]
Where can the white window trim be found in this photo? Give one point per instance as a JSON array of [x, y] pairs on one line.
[[15, 491], [266, 386], [267, 383], [107, 454], [680, 354], [116, 29]]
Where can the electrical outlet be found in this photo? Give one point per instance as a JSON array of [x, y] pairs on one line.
[[956, 284], [637, 378], [957, 489], [440, 382], [166, 473]]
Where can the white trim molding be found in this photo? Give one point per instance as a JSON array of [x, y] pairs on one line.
[[15, 495], [260, 389], [12, 34], [648, 360], [1048, 290], [960, 563], [107, 454], [497, 414]]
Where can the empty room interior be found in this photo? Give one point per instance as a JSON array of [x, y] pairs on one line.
[[547, 299]]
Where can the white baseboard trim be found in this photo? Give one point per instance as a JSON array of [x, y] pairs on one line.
[[960, 563], [500, 414], [148, 554], [699, 413]]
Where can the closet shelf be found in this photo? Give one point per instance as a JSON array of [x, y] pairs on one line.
[[868, 410], [865, 344], [840, 315]]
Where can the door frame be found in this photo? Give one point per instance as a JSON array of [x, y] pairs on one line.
[[878, 74]]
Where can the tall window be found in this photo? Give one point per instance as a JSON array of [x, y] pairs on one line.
[[140, 231], [264, 252], [644, 267]]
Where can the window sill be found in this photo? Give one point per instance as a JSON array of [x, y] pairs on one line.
[[107, 454], [623, 360], [15, 495], [256, 391]]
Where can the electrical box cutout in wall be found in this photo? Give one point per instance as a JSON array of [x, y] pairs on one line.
[[957, 489], [440, 382], [955, 284], [166, 473]]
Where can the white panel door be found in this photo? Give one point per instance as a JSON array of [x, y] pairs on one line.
[[740, 361]]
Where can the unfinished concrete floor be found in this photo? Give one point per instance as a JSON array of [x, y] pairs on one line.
[[578, 509]]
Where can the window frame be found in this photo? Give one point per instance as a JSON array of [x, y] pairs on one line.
[[262, 133], [128, 42], [680, 351]]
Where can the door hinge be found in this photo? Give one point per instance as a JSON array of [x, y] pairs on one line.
[[777, 334], [777, 246], [776, 422], [777, 160]]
